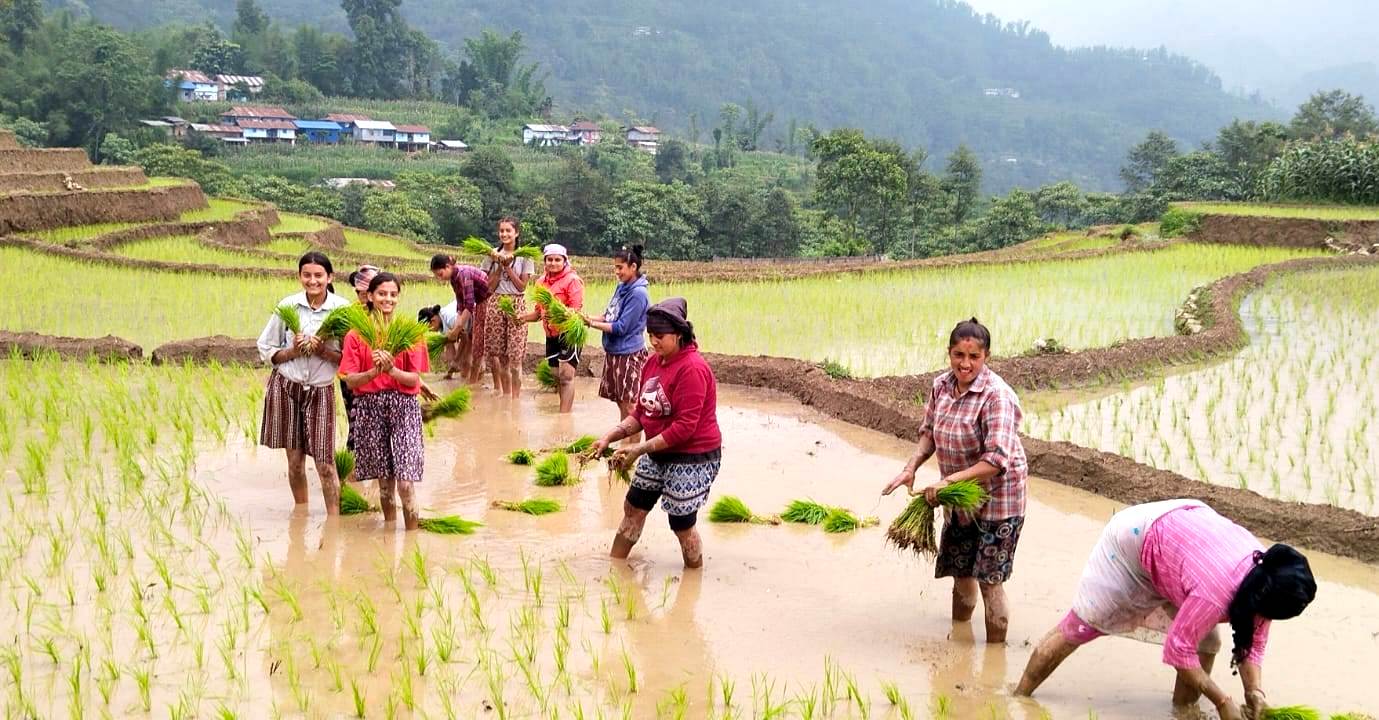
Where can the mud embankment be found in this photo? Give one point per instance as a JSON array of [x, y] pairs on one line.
[[103, 177], [1285, 232], [16, 159], [24, 211], [32, 345], [217, 348], [8, 140]]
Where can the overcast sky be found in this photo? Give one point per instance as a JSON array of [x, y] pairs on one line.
[[1267, 45]]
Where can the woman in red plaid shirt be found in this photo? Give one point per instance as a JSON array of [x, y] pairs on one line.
[[972, 423]]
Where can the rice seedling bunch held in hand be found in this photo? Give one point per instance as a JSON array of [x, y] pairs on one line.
[[623, 325], [531, 506], [677, 409], [472, 289], [971, 422], [1290, 712], [387, 420], [500, 332], [1202, 569], [455, 404], [299, 401], [545, 376], [557, 297], [478, 248]]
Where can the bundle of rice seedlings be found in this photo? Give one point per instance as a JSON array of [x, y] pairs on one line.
[[545, 376], [435, 347], [344, 463], [507, 306], [567, 322], [340, 320], [351, 502], [913, 529], [521, 456], [290, 320], [806, 512], [555, 470], [1290, 712], [448, 525], [623, 474], [580, 445], [452, 405], [841, 520], [530, 252], [476, 246], [531, 506], [401, 335], [731, 509]]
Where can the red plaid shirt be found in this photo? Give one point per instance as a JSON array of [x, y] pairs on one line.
[[981, 424]]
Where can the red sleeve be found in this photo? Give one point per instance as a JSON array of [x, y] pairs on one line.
[[576, 293], [354, 355], [687, 399]]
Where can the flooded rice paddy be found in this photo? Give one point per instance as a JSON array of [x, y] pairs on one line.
[[218, 598]]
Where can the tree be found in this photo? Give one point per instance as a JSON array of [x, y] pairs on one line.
[[580, 200], [664, 218], [492, 79], [1060, 204], [115, 150], [455, 204], [100, 83], [962, 180], [396, 214], [491, 170], [1247, 148], [1331, 115], [672, 161], [860, 185], [19, 20], [779, 225], [730, 215], [1200, 175], [1010, 220], [291, 92], [250, 19], [1146, 160], [384, 48], [27, 132], [756, 122], [172, 161], [216, 55], [318, 58]]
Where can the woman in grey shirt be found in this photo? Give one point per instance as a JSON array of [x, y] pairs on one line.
[[504, 338]]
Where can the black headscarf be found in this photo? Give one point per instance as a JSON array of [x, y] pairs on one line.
[[671, 316], [1278, 587]]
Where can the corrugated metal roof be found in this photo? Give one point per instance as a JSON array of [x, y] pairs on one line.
[[374, 125], [645, 129], [318, 125], [195, 76], [452, 144], [259, 111], [546, 128], [267, 125], [414, 129], [250, 80], [585, 125], [346, 117], [217, 129]]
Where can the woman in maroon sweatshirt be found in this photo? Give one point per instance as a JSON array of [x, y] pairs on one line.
[[678, 410]]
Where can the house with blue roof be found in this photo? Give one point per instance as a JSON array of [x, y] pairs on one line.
[[319, 131]]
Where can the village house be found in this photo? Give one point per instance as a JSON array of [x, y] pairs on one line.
[[644, 137], [338, 183], [538, 135], [237, 114], [455, 146], [586, 133], [319, 131], [231, 134], [192, 85], [412, 137], [347, 122], [269, 131], [229, 84], [378, 132]]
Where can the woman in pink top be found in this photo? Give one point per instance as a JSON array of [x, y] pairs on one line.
[[567, 287], [1174, 570]]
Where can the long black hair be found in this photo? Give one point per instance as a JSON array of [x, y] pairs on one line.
[[631, 255], [315, 257], [378, 280], [1278, 587]]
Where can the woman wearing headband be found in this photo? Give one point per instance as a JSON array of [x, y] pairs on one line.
[[1177, 569]]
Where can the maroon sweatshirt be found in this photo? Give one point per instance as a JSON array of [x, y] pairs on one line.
[[679, 402]]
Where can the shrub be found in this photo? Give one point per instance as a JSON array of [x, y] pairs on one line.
[[1177, 223]]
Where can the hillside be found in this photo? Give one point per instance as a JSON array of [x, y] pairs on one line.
[[915, 71]]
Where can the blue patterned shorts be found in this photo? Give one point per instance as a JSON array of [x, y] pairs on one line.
[[981, 549], [682, 486]]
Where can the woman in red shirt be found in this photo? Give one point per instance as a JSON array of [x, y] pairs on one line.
[[680, 458], [568, 288], [387, 417]]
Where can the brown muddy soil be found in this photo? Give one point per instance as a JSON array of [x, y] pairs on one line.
[[16, 159], [8, 141], [217, 348], [1284, 232], [109, 348], [23, 211], [104, 177]]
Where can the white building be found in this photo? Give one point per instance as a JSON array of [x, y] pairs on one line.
[[545, 135], [375, 131]]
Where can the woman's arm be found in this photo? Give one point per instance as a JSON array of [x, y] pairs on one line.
[[1250, 679], [494, 275], [519, 281], [405, 378], [360, 379], [1198, 679]]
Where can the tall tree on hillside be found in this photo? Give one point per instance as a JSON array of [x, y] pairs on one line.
[[491, 170], [20, 19], [1248, 147], [1146, 160], [1331, 115], [860, 185], [962, 180], [250, 19], [318, 58], [215, 54], [492, 79], [100, 84], [383, 46]]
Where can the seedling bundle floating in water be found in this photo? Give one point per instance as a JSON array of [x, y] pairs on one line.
[[555, 470], [841, 520], [805, 512], [531, 506], [563, 319], [449, 525], [521, 456], [351, 502], [731, 509], [913, 529]]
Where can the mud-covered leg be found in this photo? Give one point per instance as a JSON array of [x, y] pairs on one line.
[[407, 494], [1047, 656], [629, 530]]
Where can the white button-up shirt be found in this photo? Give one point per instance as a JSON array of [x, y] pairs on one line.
[[311, 370]]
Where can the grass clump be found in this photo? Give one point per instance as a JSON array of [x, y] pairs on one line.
[[351, 501], [805, 512], [836, 370], [449, 525], [913, 529], [555, 471], [521, 456], [841, 520], [731, 509], [531, 506], [453, 405], [545, 376], [290, 320]]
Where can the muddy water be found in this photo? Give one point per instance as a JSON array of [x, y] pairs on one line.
[[772, 606]]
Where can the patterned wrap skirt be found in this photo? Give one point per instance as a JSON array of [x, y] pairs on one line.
[[387, 436], [298, 417], [977, 548], [622, 377], [503, 335], [682, 482]]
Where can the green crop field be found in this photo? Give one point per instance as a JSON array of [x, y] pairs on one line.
[[1310, 212]]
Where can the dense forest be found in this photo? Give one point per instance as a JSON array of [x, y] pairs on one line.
[[916, 72]]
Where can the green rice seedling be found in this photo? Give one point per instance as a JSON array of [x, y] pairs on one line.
[[435, 347], [352, 502], [571, 326], [605, 620], [449, 525], [631, 671], [580, 445], [891, 691], [531, 506], [290, 320], [943, 707], [401, 335], [476, 247], [339, 321], [545, 376], [555, 471], [731, 509], [530, 252], [806, 512], [507, 306], [841, 520], [375, 651], [417, 561], [337, 675], [1291, 712], [142, 677], [913, 529], [453, 405], [521, 456]]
